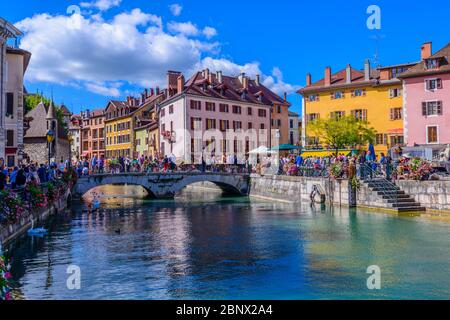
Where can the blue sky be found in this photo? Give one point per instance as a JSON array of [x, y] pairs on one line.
[[118, 51]]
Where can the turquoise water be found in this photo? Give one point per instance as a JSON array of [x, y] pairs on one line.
[[202, 246]]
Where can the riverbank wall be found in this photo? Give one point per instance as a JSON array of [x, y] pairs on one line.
[[13, 231], [434, 195], [299, 189]]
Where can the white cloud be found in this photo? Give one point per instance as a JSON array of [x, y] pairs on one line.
[[130, 49], [104, 89], [176, 9], [186, 28], [102, 5], [276, 83], [209, 32]]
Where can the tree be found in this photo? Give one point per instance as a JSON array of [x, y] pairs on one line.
[[339, 133], [32, 100]]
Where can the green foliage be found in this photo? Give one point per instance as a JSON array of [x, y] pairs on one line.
[[342, 133], [31, 101]]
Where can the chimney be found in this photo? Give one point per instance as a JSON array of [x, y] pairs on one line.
[[180, 83], [348, 74], [426, 50], [241, 77], [206, 73], [157, 90], [245, 82], [367, 70], [146, 93], [152, 92], [327, 76], [285, 97], [308, 79], [143, 97], [219, 77], [258, 80]]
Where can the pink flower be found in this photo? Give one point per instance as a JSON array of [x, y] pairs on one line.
[[8, 296], [7, 275]]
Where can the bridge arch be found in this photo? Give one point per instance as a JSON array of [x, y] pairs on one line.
[[165, 185]]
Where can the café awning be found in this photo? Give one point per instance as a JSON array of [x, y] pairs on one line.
[[285, 147], [324, 153]]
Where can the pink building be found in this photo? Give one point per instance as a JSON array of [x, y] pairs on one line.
[[214, 116], [427, 99]]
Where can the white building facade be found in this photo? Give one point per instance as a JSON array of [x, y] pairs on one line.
[[214, 117]]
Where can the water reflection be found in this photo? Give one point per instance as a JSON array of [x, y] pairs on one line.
[[204, 246]]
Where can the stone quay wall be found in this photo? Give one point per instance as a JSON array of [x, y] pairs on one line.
[[298, 189], [13, 231], [433, 195]]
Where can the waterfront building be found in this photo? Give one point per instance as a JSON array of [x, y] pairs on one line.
[[215, 115], [93, 134], [75, 125], [43, 118], [145, 124], [294, 131], [119, 127], [13, 64], [427, 99], [375, 96]]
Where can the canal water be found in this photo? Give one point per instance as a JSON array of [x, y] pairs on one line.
[[205, 246]]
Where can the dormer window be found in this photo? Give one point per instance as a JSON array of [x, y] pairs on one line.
[[431, 64]]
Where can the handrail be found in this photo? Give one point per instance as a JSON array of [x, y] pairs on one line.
[[381, 177]]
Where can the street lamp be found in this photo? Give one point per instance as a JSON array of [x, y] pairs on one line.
[[70, 137], [50, 138]]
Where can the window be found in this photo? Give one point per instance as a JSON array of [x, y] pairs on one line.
[[337, 95], [432, 108], [210, 106], [291, 123], [433, 84], [171, 109], [224, 125], [249, 111], [337, 115], [10, 138], [360, 114], [196, 123], [380, 138], [278, 109], [395, 72], [262, 126], [10, 104], [262, 113], [237, 125], [395, 93], [432, 134], [397, 140], [312, 117], [250, 125], [279, 122], [11, 161], [210, 124], [358, 93], [396, 113], [196, 105], [223, 108], [313, 98], [431, 64], [237, 109]]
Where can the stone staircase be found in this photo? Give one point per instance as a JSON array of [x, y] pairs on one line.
[[392, 196]]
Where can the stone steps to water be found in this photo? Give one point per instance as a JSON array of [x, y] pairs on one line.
[[393, 197]]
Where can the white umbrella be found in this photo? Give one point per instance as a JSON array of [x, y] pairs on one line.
[[262, 150]]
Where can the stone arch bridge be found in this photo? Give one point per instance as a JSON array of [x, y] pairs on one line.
[[166, 185]]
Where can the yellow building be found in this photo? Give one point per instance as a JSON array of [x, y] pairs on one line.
[[374, 96], [119, 128], [124, 124]]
